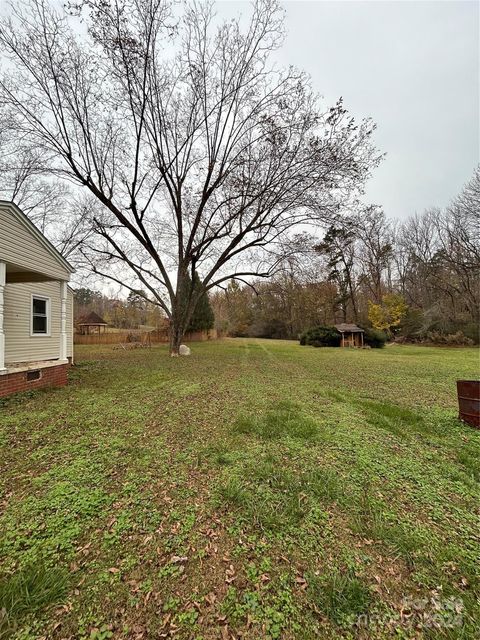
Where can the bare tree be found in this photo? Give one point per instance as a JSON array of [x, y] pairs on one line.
[[21, 180], [376, 251], [49, 203], [201, 154], [437, 256], [458, 229]]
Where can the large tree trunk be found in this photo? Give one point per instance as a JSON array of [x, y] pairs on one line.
[[180, 311], [176, 336]]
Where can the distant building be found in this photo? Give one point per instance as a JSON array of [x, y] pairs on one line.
[[91, 323], [352, 336]]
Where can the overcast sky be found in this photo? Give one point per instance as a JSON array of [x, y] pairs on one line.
[[414, 68]]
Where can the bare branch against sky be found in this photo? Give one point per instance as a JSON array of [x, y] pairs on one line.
[[411, 66]]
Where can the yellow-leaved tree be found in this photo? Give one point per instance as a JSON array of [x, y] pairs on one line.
[[387, 315]]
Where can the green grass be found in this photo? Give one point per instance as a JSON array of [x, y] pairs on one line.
[[256, 489], [340, 596], [28, 591], [284, 420]]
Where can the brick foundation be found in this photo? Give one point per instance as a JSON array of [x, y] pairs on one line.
[[52, 376]]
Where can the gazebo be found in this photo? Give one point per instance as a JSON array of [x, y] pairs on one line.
[[91, 323], [352, 336]]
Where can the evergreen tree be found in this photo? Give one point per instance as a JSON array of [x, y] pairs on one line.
[[203, 318]]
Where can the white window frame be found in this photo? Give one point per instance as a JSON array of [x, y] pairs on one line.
[[47, 299]]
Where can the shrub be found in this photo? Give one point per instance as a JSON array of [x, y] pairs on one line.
[[433, 326], [374, 338], [472, 330], [321, 337], [457, 339]]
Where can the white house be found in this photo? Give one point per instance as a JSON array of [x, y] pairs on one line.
[[36, 306]]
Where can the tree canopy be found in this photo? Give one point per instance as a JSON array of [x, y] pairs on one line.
[[197, 152]]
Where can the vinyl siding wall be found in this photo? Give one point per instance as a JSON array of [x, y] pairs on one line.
[[20, 247], [20, 346], [70, 324]]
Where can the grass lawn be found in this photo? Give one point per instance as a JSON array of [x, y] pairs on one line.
[[255, 490]]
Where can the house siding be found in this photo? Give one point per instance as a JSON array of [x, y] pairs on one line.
[[70, 325], [20, 247], [20, 346]]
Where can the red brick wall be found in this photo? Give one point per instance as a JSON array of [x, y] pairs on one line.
[[55, 376]]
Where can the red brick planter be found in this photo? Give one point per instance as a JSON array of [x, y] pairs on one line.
[[51, 376]]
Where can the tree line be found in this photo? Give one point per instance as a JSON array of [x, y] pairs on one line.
[[136, 312], [418, 278]]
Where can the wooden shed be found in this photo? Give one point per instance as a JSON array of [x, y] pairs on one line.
[[352, 336], [91, 323]]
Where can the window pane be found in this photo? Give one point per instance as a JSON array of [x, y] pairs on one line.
[[39, 324], [40, 306]]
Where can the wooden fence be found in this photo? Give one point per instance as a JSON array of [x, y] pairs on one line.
[[136, 335]]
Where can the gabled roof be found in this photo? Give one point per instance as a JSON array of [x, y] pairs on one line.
[[91, 318], [344, 327], [34, 231]]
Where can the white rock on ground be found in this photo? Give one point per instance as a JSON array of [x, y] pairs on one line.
[[184, 350]]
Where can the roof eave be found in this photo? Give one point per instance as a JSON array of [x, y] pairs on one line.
[[23, 219]]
